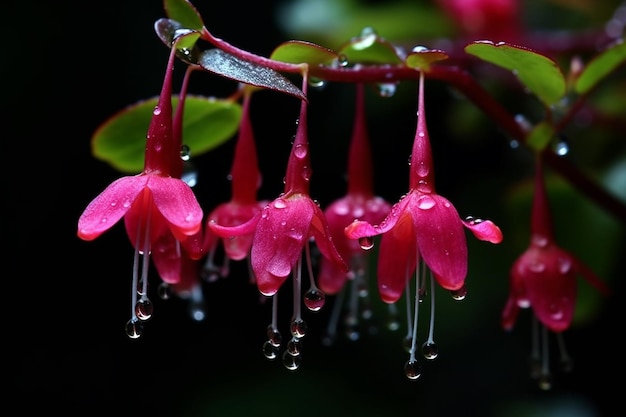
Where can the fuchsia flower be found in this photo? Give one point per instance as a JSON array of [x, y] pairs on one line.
[[544, 278], [281, 233], [154, 204], [243, 206], [422, 226], [359, 203]]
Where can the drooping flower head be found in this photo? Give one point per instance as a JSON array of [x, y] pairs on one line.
[[245, 180], [422, 227], [360, 203], [153, 203], [282, 232], [544, 278]]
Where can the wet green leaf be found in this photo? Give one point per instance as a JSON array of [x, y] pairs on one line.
[[230, 66], [540, 74], [183, 12], [540, 136], [297, 52], [121, 140], [421, 59], [600, 66], [369, 48]]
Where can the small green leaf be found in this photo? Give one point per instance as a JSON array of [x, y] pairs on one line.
[[600, 66], [121, 140], [369, 48], [540, 136], [230, 66], [421, 59], [298, 52], [541, 75], [183, 12]]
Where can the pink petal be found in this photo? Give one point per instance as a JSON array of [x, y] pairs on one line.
[[178, 204], [281, 233], [110, 206], [441, 239], [484, 230], [320, 232], [358, 229], [397, 259]]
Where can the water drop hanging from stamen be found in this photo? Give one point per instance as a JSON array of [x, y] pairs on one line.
[[298, 328], [294, 347], [366, 242], [430, 350], [545, 381], [134, 328], [460, 294], [144, 309], [314, 299], [185, 153], [273, 336], [412, 370], [291, 362], [270, 351]]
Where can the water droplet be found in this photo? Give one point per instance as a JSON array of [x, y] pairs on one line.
[[366, 242], [291, 362], [387, 89], [298, 328], [144, 309], [280, 203], [134, 328], [342, 60], [545, 381], [561, 146], [270, 351], [367, 39], [460, 294], [393, 324], [157, 146], [185, 153], [156, 111], [425, 202], [412, 370], [430, 350], [317, 83], [294, 347], [164, 291], [564, 265], [352, 333], [473, 220], [419, 48], [273, 336], [422, 169], [300, 151], [314, 299], [539, 240]]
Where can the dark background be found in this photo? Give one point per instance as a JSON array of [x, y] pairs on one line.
[[68, 66]]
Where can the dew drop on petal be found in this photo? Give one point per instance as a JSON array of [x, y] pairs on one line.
[[366, 242], [314, 299], [134, 328], [156, 111], [430, 350], [564, 265], [144, 309], [300, 151], [270, 351], [425, 202], [280, 203], [460, 294], [298, 328], [412, 370]]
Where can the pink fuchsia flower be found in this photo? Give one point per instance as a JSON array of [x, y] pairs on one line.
[[544, 278], [152, 203], [243, 205], [422, 226], [496, 20], [359, 203], [282, 232]]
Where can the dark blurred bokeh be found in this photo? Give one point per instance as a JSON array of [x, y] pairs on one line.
[[68, 66]]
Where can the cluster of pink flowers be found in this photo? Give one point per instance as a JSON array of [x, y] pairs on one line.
[[421, 238]]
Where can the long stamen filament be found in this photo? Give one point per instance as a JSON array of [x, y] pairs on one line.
[[416, 314], [432, 310]]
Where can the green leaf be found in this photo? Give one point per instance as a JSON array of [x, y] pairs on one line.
[[298, 52], [540, 74], [121, 140], [601, 66], [421, 59], [369, 48], [183, 12], [541, 135], [230, 66]]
